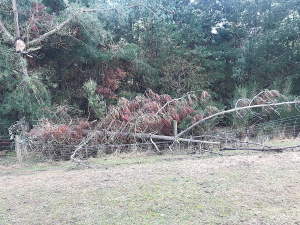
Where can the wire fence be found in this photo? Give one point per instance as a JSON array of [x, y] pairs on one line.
[[281, 128], [64, 151], [252, 137]]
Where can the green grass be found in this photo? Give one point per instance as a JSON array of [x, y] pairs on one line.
[[254, 189]]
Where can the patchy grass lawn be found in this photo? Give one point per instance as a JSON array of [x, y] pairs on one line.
[[243, 189]]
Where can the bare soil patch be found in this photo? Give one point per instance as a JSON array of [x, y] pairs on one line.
[[249, 189]]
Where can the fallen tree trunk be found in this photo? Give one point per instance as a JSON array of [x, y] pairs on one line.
[[262, 149], [177, 138], [251, 149], [233, 140], [149, 136], [234, 110]]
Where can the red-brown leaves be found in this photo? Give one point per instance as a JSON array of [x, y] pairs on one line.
[[110, 82], [60, 134], [153, 112]]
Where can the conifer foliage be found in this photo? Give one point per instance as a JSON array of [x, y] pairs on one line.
[[154, 113], [110, 82]]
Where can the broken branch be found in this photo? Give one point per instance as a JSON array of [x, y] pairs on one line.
[[5, 31], [155, 145], [33, 49]]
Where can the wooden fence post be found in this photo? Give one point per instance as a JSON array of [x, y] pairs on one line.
[[175, 128], [18, 148], [176, 143]]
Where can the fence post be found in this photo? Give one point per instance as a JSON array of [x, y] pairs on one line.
[[18, 148], [175, 128], [176, 145]]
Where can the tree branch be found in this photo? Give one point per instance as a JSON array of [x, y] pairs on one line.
[[16, 18], [177, 99], [112, 8], [33, 49], [5, 31], [234, 110], [60, 26]]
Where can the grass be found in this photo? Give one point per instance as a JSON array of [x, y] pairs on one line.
[[135, 189]]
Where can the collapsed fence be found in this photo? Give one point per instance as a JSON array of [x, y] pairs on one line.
[[252, 137], [83, 139], [282, 128]]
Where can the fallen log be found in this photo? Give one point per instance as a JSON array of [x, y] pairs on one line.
[[149, 136], [233, 140], [279, 149], [251, 149]]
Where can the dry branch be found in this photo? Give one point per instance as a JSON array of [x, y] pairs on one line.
[[155, 145], [107, 9], [234, 110], [79, 147], [279, 149], [234, 140], [33, 49], [5, 31], [177, 99]]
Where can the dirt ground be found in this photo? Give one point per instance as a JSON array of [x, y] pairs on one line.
[[242, 189]]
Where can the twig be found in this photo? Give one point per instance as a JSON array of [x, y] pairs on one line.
[[160, 6], [79, 147], [33, 49], [149, 9], [154, 145], [216, 153], [176, 99]]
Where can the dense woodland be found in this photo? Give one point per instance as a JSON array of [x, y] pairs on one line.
[[120, 52]]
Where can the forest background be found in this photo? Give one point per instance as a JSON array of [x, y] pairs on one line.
[[121, 48]]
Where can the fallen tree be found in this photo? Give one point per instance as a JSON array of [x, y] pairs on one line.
[[149, 136], [269, 103], [119, 129], [249, 107]]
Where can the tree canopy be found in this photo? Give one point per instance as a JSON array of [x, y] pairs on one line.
[[96, 51]]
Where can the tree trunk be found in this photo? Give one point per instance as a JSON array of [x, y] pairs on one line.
[[23, 64], [16, 19]]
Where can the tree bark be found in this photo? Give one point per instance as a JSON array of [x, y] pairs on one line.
[[23, 64], [149, 136], [16, 19]]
